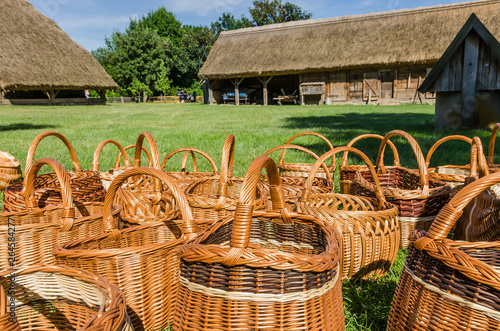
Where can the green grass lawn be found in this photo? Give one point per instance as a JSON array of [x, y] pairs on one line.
[[257, 129]]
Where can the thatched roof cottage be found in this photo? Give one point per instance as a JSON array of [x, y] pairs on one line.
[[382, 57], [40, 63]]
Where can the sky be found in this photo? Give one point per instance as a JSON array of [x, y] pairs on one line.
[[88, 22]]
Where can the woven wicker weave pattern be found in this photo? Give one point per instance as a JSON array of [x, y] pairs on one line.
[[274, 268], [142, 260], [368, 228], [66, 298], [10, 170], [108, 176]]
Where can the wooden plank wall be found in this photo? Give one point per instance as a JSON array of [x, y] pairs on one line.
[[488, 73]]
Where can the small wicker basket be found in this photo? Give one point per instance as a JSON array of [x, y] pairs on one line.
[[10, 170], [108, 176]]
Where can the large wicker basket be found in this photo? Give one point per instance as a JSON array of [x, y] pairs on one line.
[[446, 284], [368, 228], [35, 231], [143, 198], [142, 260], [215, 197], [185, 178], [295, 169], [60, 298], [417, 197], [85, 185], [293, 186], [348, 171], [10, 170], [261, 270]]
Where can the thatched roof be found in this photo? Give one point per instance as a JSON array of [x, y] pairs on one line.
[[36, 54], [392, 38]]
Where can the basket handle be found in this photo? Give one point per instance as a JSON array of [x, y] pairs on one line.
[[240, 236], [309, 183], [155, 155], [441, 141], [422, 169], [289, 142], [491, 145], [478, 163], [31, 152], [226, 170], [184, 159], [188, 224], [369, 135], [303, 149], [68, 207], [97, 154], [118, 158]]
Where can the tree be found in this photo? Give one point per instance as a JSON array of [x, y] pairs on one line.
[[137, 88], [164, 23], [269, 12], [163, 83], [227, 22]]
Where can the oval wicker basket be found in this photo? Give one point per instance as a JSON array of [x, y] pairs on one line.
[[215, 197], [36, 231], [142, 260], [60, 298], [85, 185], [417, 197], [302, 169], [348, 171], [185, 178], [275, 269], [446, 284], [368, 228], [10, 170], [108, 176]]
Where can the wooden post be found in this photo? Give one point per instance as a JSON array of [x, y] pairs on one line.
[[264, 82], [237, 83], [1, 94], [102, 94], [210, 93], [469, 79]]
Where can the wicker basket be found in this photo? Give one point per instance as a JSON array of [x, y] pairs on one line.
[[453, 175], [449, 285], [108, 176], [142, 197], [142, 260], [303, 169], [85, 185], [215, 197], [261, 270], [491, 149], [347, 172], [36, 231], [10, 170], [184, 178], [417, 197], [368, 228], [293, 187], [60, 298]]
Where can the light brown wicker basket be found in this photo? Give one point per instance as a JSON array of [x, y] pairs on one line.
[[491, 149], [85, 185], [446, 284], [108, 176], [368, 228], [215, 197], [36, 231], [261, 270], [60, 298], [417, 197], [142, 260], [10, 170], [294, 169], [348, 171], [185, 178]]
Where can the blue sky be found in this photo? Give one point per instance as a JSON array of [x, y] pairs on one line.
[[89, 21]]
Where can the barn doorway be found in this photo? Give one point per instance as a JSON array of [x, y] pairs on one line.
[[387, 84]]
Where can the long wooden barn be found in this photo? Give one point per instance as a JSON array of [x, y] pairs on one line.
[[41, 64], [380, 58]]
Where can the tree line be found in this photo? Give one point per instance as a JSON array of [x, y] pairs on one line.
[[158, 55]]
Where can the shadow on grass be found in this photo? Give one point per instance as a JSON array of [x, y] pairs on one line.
[[26, 126]]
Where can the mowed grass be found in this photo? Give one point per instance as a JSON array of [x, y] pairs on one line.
[[257, 129]]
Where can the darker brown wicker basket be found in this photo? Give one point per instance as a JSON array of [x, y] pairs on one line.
[[446, 284], [274, 269], [85, 185]]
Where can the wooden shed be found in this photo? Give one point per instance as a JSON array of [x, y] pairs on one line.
[[41, 64], [378, 58], [466, 79]]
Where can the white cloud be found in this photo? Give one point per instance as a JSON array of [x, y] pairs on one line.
[[95, 22], [205, 8]]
